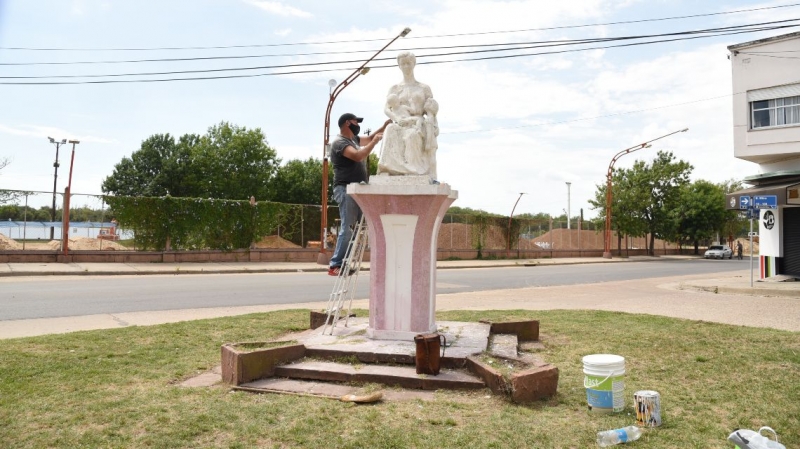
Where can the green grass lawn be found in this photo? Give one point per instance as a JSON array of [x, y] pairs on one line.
[[118, 388]]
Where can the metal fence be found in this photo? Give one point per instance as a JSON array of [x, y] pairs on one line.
[[27, 222]]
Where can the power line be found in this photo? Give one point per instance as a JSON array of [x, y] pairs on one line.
[[411, 37], [506, 44], [711, 32]]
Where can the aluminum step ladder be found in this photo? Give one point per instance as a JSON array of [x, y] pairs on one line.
[[345, 287]]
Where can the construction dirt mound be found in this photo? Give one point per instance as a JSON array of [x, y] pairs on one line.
[[275, 241], [9, 243], [88, 244]]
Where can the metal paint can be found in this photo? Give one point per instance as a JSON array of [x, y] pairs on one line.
[[647, 404]]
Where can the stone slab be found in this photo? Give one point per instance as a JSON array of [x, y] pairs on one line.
[[463, 339], [504, 345], [240, 365], [534, 384], [402, 376], [326, 390], [524, 330]]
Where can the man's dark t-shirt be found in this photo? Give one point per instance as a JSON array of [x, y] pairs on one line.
[[346, 170]]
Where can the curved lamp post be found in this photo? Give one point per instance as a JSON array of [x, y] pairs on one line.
[[67, 198], [508, 247], [322, 258], [607, 246]]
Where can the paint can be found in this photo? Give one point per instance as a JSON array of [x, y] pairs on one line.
[[647, 404], [604, 381], [427, 359]]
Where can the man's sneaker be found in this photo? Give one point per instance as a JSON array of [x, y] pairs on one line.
[[334, 271]]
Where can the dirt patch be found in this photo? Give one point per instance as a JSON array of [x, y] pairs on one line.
[[88, 244], [275, 241], [7, 243]]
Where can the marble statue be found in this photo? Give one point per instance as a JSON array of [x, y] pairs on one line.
[[409, 142]]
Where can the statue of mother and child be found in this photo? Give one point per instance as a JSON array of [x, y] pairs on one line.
[[409, 142]]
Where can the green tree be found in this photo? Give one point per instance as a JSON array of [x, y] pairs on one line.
[[644, 198], [160, 167], [300, 182], [700, 213], [231, 162], [228, 162]]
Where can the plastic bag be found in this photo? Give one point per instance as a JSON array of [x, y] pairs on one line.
[[750, 439]]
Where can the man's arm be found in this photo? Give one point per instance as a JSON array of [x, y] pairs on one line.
[[359, 155], [367, 139]]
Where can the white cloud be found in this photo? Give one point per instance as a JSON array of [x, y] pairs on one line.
[[279, 8], [283, 33]]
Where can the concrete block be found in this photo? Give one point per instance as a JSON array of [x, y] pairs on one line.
[[317, 319], [240, 365], [534, 384], [525, 330], [491, 377]]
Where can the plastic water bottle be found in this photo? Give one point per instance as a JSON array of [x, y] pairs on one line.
[[611, 437]]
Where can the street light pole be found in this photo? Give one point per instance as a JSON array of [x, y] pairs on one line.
[[55, 180], [508, 247], [607, 243], [67, 198], [322, 258], [568, 208]]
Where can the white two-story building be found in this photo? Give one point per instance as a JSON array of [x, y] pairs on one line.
[[766, 130]]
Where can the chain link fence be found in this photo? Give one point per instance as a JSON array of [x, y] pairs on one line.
[[28, 222]]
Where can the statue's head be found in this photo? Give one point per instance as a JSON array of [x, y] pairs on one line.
[[406, 60]]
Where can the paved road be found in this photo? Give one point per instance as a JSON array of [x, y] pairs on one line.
[[52, 297]]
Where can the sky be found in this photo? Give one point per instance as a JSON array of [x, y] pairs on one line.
[[529, 123]]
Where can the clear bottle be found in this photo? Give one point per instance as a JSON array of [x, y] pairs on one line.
[[611, 437]]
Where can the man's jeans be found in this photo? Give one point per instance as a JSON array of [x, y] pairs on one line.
[[349, 213]]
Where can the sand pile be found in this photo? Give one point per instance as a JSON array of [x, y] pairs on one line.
[[88, 244], [7, 243], [275, 241]]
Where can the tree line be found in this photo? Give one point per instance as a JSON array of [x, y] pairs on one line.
[[656, 199], [227, 162]]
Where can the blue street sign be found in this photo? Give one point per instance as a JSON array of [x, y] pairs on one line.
[[765, 202], [744, 202]]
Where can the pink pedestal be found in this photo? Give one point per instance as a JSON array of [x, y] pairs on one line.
[[403, 225]]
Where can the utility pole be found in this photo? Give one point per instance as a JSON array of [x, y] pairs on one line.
[[568, 209], [55, 180]]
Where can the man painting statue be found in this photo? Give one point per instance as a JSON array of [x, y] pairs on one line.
[[410, 140]]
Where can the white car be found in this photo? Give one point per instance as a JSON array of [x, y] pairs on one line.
[[718, 252]]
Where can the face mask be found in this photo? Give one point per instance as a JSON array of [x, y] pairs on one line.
[[355, 129]]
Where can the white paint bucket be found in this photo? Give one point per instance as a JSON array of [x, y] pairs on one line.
[[604, 382]]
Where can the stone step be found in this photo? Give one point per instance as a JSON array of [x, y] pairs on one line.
[[325, 389], [504, 345], [402, 376]]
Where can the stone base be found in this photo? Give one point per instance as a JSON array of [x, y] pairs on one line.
[[377, 334], [407, 180]]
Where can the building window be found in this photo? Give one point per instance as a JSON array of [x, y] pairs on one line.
[[777, 112]]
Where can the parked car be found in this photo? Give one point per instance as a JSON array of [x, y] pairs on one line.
[[718, 252]]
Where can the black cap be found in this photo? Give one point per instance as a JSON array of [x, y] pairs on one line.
[[348, 116]]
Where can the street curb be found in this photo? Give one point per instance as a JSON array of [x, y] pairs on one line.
[[321, 268], [745, 291]]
